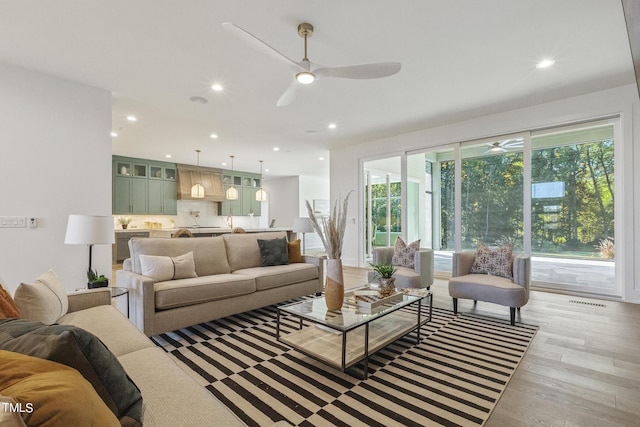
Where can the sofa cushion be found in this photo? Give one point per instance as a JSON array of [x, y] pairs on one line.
[[50, 393], [81, 350], [243, 250], [495, 261], [185, 292], [295, 255], [161, 268], [280, 275], [173, 398], [483, 287], [404, 255], [274, 251], [7, 305], [113, 328], [209, 253], [45, 300]]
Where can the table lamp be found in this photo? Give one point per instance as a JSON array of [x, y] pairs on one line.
[[302, 225], [89, 230]]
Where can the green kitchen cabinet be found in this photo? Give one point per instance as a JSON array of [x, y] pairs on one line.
[[144, 187], [246, 184]]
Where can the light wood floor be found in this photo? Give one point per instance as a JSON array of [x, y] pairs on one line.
[[582, 368]]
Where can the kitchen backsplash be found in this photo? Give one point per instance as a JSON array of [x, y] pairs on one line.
[[191, 213]]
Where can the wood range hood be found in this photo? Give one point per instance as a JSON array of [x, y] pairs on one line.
[[209, 178]]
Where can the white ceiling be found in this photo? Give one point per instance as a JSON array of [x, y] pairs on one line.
[[460, 59]]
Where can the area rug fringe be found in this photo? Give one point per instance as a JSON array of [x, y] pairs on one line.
[[453, 377]]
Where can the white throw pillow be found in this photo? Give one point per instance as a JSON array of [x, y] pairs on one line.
[[163, 268], [494, 261], [45, 300]]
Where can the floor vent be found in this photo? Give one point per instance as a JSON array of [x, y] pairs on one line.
[[587, 303]]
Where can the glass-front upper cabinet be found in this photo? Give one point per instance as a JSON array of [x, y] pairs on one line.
[[124, 168]]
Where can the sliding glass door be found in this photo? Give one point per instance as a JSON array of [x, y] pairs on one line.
[[572, 208]]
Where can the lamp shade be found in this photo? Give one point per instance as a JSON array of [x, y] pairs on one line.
[[261, 195], [89, 230], [232, 193], [302, 225], [197, 191]]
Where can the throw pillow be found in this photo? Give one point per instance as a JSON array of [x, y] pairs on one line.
[[45, 300], [81, 350], [494, 261], [404, 255], [274, 251], [51, 394], [295, 256], [7, 305], [9, 418], [162, 268]]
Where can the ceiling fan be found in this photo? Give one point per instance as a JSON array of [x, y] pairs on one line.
[[305, 71], [502, 146]]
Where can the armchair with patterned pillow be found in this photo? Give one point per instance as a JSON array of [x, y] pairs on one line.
[[414, 265], [491, 274]]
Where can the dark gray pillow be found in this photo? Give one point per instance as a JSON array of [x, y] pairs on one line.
[[274, 251], [83, 351]]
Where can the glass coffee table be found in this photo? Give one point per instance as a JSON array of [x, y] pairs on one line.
[[342, 339]]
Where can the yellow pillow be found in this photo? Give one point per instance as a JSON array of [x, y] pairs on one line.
[[8, 307], [294, 252], [51, 394]]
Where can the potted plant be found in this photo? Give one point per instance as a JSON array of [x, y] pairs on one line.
[[384, 273], [124, 222], [96, 281]]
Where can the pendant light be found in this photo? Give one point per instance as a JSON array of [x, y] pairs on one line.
[[197, 190], [232, 193], [261, 195]]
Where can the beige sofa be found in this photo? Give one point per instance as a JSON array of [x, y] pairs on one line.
[[170, 396], [230, 280]]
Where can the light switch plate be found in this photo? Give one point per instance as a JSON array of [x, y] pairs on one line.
[[13, 221]]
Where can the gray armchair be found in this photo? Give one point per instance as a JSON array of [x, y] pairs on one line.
[[421, 276], [513, 293]]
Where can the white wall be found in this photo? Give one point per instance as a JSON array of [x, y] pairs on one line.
[[55, 161], [284, 200], [623, 101]]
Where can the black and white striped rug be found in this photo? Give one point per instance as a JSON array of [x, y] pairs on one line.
[[455, 376]]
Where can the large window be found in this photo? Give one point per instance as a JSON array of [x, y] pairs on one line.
[[551, 193]]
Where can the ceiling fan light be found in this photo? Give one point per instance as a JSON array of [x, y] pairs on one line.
[[305, 77], [197, 191]]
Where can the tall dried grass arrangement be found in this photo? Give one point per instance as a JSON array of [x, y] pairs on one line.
[[331, 229]]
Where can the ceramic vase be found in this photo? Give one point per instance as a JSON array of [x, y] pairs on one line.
[[334, 287]]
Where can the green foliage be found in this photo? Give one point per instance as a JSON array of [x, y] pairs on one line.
[[383, 270], [93, 277], [492, 203]]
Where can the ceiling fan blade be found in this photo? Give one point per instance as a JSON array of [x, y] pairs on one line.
[[365, 71], [259, 44], [289, 95]]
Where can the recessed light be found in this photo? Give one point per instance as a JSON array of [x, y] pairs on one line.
[[224, 163], [114, 134], [198, 100], [320, 158], [276, 149], [266, 170], [213, 136], [217, 87], [168, 156], [132, 118], [545, 63], [332, 126]]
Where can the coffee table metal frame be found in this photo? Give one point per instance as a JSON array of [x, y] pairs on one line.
[[384, 325]]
